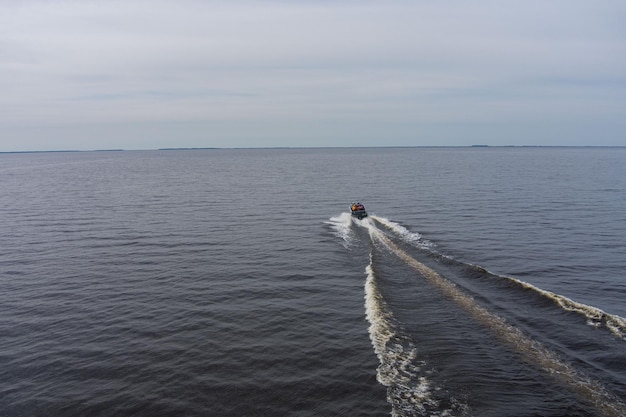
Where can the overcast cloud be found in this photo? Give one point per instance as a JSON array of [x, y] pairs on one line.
[[149, 74]]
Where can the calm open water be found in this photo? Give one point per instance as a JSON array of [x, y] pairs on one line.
[[485, 282]]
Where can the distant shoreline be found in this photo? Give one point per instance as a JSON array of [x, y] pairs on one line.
[[312, 147]]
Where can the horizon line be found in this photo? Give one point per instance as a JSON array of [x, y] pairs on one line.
[[194, 148]]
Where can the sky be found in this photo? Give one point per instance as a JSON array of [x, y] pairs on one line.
[[96, 74]]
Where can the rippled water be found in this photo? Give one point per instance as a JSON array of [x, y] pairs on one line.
[[486, 282]]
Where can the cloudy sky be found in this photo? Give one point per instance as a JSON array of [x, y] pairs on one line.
[[129, 74]]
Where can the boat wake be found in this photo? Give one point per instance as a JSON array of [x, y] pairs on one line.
[[594, 317], [408, 389], [403, 233], [406, 378], [342, 226]]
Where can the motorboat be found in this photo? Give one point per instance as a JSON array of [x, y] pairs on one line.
[[358, 210]]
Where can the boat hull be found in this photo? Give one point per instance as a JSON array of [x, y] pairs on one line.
[[358, 210]]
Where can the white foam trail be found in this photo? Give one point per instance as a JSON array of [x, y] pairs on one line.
[[405, 234], [407, 391], [342, 225], [595, 316], [532, 351]]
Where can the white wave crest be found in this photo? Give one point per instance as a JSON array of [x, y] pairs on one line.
[[342, 225], [399, 371], [595, 316], [405, 234]]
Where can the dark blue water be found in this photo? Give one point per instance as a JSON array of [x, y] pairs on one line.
[[485, 282]]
